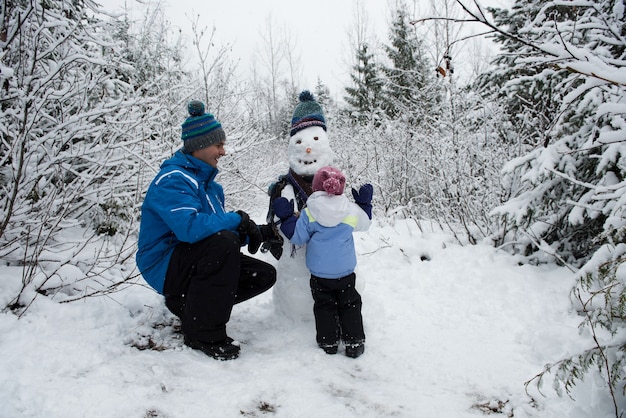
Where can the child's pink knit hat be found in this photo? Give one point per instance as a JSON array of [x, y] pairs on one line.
[[330, 180]]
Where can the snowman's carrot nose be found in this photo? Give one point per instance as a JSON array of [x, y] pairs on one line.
[[308, 150]]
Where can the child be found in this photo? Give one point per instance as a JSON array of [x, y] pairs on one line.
[[326, 226]]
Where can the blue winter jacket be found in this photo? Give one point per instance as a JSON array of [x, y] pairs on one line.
[[326, 226], [183, 204]]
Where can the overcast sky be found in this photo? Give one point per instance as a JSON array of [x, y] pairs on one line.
[[319, 30]]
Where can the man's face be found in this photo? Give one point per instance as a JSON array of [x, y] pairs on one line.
[[210, 154]]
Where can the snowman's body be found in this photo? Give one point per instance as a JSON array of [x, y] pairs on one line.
[[292, 293], [308, 150]]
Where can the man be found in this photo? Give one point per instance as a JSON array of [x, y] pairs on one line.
[[189, 246]]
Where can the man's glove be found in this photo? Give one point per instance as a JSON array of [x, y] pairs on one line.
[[283, 208], [269, 233], [254, 238], [247, 228], [243, 226], [363, 198], [272, 240]]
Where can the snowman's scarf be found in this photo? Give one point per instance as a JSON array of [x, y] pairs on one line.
[[302, 187]]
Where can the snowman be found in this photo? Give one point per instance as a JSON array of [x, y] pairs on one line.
[[308, 151]]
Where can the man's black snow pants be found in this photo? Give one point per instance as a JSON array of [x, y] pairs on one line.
[[337, 309], [205, 279]]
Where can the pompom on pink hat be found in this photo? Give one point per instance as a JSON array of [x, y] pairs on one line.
[[330, 180]]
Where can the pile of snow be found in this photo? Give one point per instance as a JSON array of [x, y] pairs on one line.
[[452, 331]]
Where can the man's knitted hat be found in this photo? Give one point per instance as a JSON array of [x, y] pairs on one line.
[[330, 180], [200, 129], [307, 113]]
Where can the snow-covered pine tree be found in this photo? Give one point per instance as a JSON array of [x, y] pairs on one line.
[[568, 60], [408, 74], [364, 95], [322, 94], [527, 89], [565, 203]]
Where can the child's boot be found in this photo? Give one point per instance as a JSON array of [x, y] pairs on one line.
[[355, 350], [329, 348]]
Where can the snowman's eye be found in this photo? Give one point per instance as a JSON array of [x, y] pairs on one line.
[[299, 141], [315, 138]]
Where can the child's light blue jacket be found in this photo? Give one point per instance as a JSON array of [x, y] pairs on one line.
[[326, 226]]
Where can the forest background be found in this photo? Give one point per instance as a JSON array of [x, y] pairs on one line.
[[527, 153]]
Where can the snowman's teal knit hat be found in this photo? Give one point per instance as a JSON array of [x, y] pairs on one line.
[[200, 129], [307, 113]]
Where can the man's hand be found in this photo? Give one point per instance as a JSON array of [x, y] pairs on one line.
[[255, 239], [269, 233], [247, 228], [243, 226]]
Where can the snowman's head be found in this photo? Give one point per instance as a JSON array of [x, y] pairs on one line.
[[309, 148]]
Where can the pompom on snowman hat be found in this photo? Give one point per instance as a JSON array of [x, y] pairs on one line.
[[307, 113], [330, 180]]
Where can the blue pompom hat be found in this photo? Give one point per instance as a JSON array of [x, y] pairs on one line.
[[307, 113], [200, 129]]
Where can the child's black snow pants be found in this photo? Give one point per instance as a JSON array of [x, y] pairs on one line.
[[205, 279], [337, 309]]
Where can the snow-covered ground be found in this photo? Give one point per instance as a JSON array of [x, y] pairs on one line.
[[453, 335]]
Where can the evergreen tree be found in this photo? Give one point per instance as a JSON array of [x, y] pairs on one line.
[[527, 88], [364, 96], [568, 63], [560, 203], [407, 78], [322, 94]]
